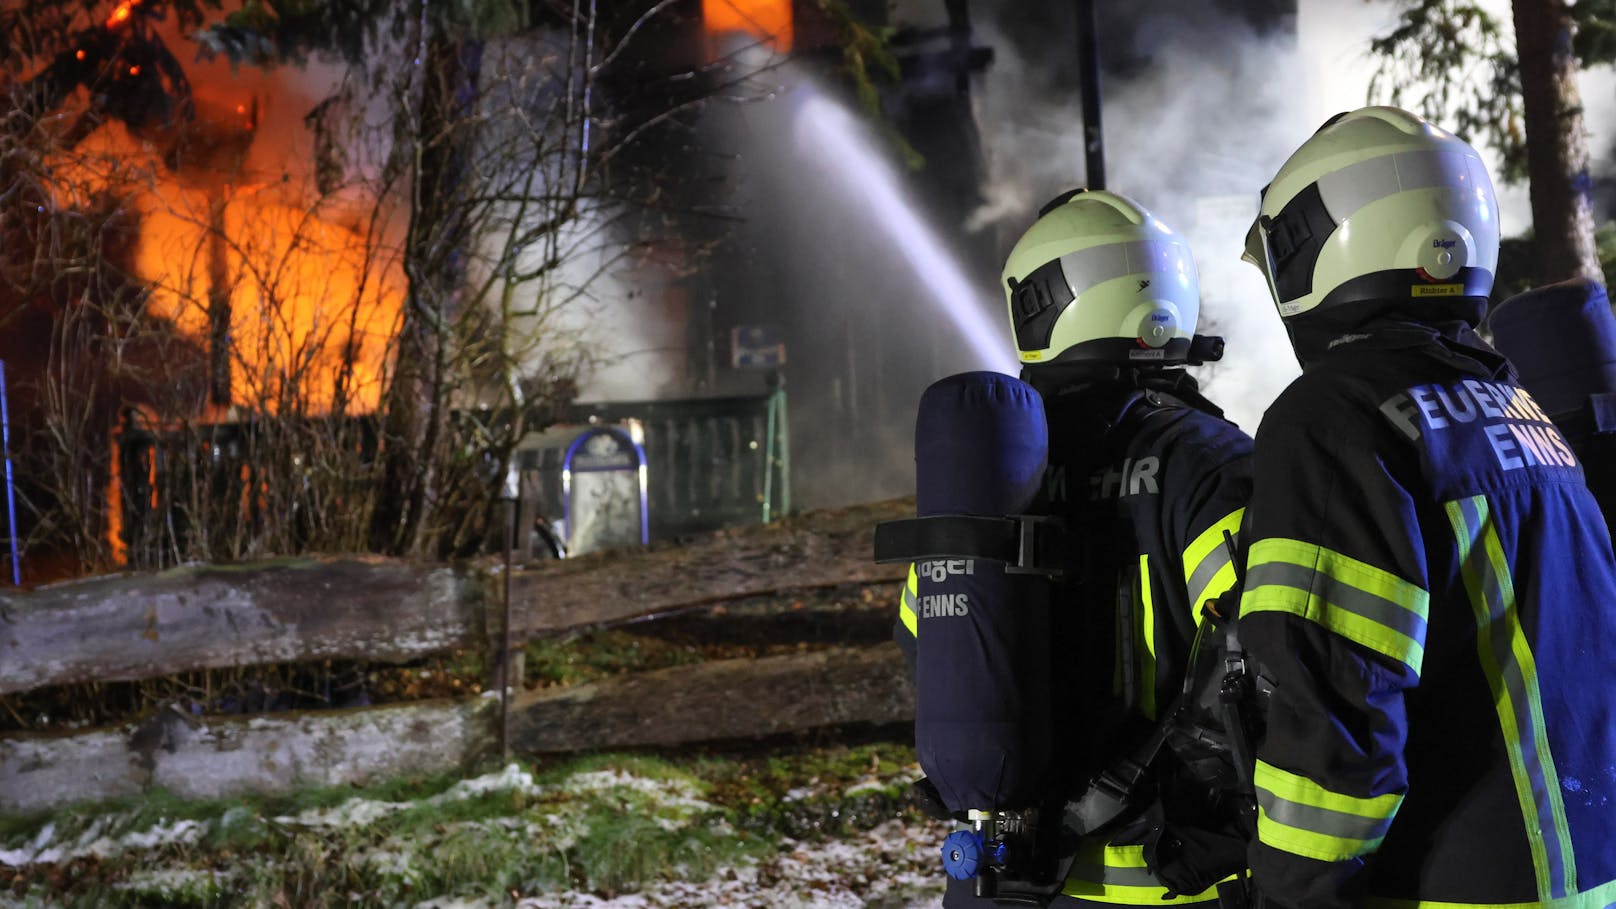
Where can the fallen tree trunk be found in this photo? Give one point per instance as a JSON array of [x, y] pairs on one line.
[[213, 758], [131, 627]]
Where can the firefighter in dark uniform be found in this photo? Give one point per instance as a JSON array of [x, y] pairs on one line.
[[1103, 301], [1429, 586]]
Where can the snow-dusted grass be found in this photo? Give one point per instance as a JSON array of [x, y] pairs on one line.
[[820, 829]]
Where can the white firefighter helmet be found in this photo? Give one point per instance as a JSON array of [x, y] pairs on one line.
[[1098, 277], [1377, 205]]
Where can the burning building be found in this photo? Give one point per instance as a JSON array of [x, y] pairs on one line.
[[836, 232]]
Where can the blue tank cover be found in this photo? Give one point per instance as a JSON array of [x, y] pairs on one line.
[[982, 658], [1562, 340], [981, 443]]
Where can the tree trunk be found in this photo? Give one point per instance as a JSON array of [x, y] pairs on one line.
[[435, 259], [1556, 143], [219, 289]]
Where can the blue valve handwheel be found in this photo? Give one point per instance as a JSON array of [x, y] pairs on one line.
[[962, 855]]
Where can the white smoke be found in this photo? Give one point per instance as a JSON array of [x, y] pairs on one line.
[[591, 303], [1194, 137]]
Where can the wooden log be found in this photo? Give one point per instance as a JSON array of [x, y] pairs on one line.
[[131, 627], [224, 757], [277, 753], [720, 700], [813, 549], [127, 627]]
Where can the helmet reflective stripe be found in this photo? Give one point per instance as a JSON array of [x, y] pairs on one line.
[[1353, 187], [1037, 300], [1292, 239]]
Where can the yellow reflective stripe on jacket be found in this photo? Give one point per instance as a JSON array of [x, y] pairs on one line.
[[1208, 567], [906, 605], [1103, 873], [1299, 816], [1362, 603], [1601, 897], [1507, 661], [1147, 640]]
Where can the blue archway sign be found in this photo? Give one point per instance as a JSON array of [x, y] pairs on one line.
[[603, 491]]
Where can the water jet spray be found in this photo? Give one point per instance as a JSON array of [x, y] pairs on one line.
[[826, 131]]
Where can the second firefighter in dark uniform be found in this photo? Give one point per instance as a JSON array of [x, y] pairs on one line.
[[1430, 587], [1103, 301]]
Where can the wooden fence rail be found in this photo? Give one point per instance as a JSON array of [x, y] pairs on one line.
[[215, 757], [134, 627]]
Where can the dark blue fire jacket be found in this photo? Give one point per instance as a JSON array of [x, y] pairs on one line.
[[1431, 589], [1153, 484]]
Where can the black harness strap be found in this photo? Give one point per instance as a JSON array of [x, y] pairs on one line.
[[1026, 544]]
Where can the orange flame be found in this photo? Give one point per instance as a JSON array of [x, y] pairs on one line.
[[314, 297], [122, 13], [768, 20], [309, 307]]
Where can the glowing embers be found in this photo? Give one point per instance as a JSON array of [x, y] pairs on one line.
[[767, 20]]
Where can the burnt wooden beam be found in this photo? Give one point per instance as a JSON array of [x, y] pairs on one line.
[[811, 549], [221, 757]]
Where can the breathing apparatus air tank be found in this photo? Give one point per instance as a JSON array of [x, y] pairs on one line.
[[984, 556], [981, 659], [1562, 340]]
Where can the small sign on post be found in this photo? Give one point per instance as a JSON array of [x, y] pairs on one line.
[[756, 347], [603, 485]]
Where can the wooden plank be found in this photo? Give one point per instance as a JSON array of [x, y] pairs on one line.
[[720, 700], [223, 757], [813, 549], [126, 627]]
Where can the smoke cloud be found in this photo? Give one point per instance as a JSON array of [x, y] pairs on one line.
[[1192, 133]]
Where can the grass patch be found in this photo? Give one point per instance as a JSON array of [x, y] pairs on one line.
[[602, 823], [587, 656]]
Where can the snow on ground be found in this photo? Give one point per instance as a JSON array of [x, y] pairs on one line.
[[97, 839], [893, 866], [359, 812]]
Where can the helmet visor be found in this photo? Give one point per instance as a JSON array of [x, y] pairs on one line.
[[1259, 253]]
